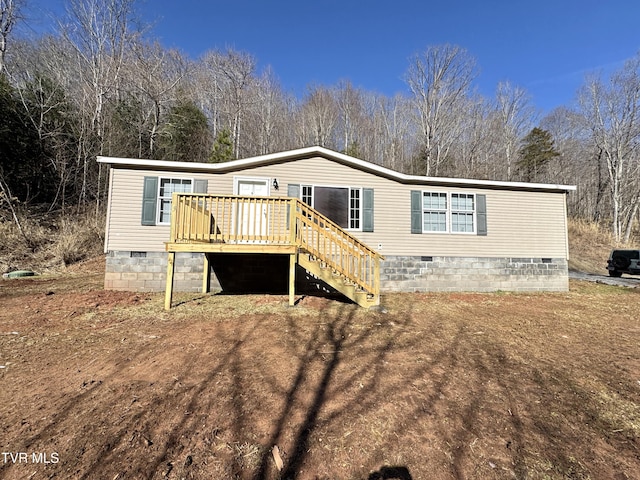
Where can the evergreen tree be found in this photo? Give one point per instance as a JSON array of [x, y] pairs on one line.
[[185, 136], [222, 147], [127, 133], [353, 150], [537, 151], [22, 167]]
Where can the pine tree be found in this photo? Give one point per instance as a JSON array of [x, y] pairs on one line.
[[185, 136], [222, 147], [537, 151]]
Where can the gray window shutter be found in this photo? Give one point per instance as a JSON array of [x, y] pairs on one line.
[[481, 214], [367, 209], [200, 186], [149, 200], [293, 190], [416, 211]]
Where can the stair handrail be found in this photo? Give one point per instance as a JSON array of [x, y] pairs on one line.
[[362, 265]]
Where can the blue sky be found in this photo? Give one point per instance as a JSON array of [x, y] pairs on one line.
[[545, 46]]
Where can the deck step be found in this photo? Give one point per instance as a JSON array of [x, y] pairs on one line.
[[349, 290]]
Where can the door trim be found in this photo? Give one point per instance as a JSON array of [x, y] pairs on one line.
[[237, 180]]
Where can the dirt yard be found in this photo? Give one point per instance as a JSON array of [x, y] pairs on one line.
[[106, 385]]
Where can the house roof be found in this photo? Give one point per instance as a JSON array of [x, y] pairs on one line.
[[308, 152]]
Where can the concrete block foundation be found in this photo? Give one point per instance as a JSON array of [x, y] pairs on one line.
[[473, 274], [255, 273]]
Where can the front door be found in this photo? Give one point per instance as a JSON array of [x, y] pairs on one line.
[[252, 217]]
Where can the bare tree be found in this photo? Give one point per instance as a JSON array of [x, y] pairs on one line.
[[153, 75], [392, 135], [475, 148], [439, 80], [9, 14], [208, 89], [579, 164], [236, 70], [350, 102], [611, 114], [320, 116], [100, 33], [43, 76], [268, 118], [514, 117]]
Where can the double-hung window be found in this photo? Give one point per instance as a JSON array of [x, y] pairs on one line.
[[448, 212], [165, 191], [444, 212], [434, 214], [462, 212]]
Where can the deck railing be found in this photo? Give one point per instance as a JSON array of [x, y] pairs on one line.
[[229, 219], [233, 219]]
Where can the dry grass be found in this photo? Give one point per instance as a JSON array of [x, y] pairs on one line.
[[51, 242], [590, 245]]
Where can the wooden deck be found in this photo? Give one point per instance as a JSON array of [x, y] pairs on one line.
[[267, 225]]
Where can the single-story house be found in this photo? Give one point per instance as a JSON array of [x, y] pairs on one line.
[[432, 233]]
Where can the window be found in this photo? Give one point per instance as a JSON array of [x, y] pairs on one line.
[[156, 196], [462, 211], [342, 205], [434, 216], [307, 195], [354, 208], [448, 212], [167, 187]]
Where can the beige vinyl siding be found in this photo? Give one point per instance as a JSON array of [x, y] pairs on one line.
[[107, 229], [519, 223], [125, 231]]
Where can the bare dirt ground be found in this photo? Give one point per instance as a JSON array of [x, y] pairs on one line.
[[106, 385]]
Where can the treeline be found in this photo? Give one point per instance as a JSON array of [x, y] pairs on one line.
[[99, 86]]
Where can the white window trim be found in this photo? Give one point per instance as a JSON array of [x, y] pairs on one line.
[[159, 199], [449, 214], [349, 188]]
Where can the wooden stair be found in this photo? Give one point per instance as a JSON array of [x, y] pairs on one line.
[[338, 281]]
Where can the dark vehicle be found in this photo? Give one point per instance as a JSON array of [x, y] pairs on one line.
[[624, 261]]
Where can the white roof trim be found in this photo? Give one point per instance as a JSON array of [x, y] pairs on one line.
[[332, 155]]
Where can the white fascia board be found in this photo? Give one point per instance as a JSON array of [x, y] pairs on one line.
[[332, 155]]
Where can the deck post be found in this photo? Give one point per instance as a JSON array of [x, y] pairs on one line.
[[293, 260], [376, 279], [292, 221], [168, 291], [206, 274]]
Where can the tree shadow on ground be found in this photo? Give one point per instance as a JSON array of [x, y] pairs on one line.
[[213, 396]]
